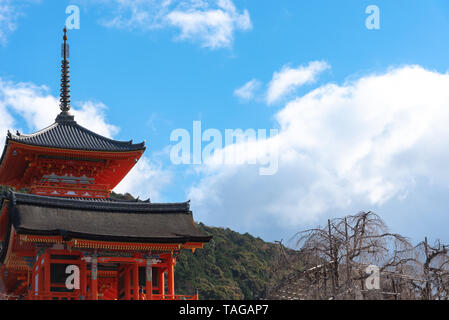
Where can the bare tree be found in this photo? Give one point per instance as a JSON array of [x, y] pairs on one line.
[[435, 271], [333, 261]]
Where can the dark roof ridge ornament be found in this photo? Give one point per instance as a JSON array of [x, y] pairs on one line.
[[64, 105]]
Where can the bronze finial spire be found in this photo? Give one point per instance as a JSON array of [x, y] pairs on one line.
[[65, 78]]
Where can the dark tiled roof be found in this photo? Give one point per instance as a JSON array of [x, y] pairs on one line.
[[110, 199], [65, 133], [110, 205], [108, 221]]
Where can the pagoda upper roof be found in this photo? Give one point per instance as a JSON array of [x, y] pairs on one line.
[[66, 133], [103, 220]]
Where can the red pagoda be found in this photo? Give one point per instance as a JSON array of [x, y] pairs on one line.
[[66, 238]]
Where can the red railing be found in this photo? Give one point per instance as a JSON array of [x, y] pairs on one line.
[[54, 296], [4, 296], [172, 297], [77, 296]]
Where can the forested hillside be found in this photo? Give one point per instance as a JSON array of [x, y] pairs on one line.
[[231, 266]]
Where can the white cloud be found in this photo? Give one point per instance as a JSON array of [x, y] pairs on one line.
[[211, 23], [248, 90], [92, 116], [31, 102], [137, 14], [288, 79], [146, 179], [363, 143], [8, 19], [10, 12], [213, 28], [39, 108]]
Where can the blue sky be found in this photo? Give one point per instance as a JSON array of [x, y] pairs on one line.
[[360, 112]]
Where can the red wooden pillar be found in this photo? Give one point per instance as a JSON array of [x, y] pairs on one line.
[[149, 279], [161, 283], [31, 287], [94, 280], [83, 277], [136, 281], [35, 279], [39, 279], [46, 276], [127, 283], [171, 277]]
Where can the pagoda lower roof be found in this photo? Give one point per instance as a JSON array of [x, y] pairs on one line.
[[119, 221], [66, 133]]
